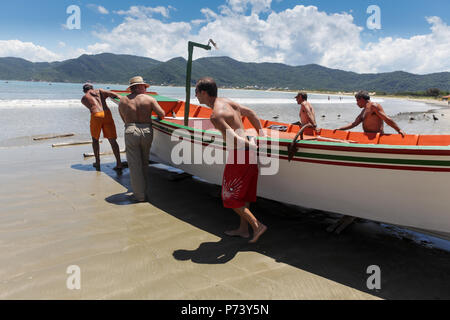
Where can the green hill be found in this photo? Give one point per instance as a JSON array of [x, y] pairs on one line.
[[112, 68]]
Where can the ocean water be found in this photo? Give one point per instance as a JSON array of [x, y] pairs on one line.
[[29, 109]]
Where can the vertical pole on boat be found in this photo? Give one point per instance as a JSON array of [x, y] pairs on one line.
[[191, 46]]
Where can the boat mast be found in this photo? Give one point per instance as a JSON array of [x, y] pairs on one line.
[[191, 46]]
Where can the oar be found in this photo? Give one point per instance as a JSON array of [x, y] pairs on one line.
[[72, 143], [54, 137], [90, 154], [292, 149]]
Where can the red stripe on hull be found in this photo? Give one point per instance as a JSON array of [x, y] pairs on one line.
[[345, 164]]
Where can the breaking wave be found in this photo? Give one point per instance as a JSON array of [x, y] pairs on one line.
[[43, 104]]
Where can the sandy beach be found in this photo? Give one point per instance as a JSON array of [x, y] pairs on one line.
[[57, 211]]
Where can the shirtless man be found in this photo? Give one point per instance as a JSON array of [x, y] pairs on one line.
[[136, 112], [307, 119], [239, 179], [307, 114], [372, 116], [101, 119]]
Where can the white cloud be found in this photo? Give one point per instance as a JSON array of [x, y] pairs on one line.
[[144, 12], [419, 54], [140, 34], [102, 10], [99, 9], [99, 48], [240, 6], [26, 50], [295, 36]]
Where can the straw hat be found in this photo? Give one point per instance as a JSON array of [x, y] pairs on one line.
[[137, 80]]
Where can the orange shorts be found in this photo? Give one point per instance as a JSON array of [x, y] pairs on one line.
[[103, 121]]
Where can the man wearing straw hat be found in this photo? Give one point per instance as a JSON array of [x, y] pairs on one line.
[[136, 112]]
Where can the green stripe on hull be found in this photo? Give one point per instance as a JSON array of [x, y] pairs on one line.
[[325, 143], [432, 163]]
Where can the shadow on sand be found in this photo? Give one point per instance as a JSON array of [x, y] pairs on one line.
[[298, 237]]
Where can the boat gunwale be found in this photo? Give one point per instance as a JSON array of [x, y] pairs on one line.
[[324, 145], [335, 146]]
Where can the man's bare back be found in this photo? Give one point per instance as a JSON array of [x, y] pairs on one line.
[[230, 112], [94, 101], [138, 108]]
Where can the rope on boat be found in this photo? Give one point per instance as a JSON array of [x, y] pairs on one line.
[[292, 149]]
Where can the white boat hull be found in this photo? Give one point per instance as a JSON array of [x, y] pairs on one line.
[[394, 193]]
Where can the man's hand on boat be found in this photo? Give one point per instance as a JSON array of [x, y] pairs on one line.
[[252, 143]]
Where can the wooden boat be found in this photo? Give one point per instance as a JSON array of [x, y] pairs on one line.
[[385, 178]]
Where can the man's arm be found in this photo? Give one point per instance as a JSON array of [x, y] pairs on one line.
[[109, 94], [85, 102], [158, 109], [380, 112], [357, 121], [253, 118], [228, 134]]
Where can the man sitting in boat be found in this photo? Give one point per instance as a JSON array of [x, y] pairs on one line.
[[101, 119], [240, 177], [307, 114], [372, 116]]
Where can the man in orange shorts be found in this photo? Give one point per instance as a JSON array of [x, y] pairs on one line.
[[101, 119], [240, 177]]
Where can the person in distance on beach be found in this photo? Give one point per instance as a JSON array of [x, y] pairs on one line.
[[240, 177], [101, 119], [372, 116], [136, 112]]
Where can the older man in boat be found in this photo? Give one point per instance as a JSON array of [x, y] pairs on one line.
[[372, 116], [101, 119], [240, 179], [136, 112]]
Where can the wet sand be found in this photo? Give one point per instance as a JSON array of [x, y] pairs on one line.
[[57, 211]]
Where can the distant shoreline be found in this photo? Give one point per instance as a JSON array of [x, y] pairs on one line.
[[429, 100]]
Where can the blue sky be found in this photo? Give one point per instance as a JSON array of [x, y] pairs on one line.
[[414, 35]]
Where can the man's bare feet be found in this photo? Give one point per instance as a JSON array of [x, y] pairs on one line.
[[96, 166], [262, 228], [238, 233], [119, 167]]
